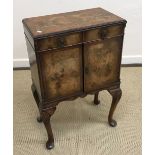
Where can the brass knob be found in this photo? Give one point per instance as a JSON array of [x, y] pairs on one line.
[[61, 42], [102, 33]]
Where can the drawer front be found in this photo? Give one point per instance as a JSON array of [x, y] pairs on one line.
[[61, 72], [102, 63], [103, 32], [58, 42]]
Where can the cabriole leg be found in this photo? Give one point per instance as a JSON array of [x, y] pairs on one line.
[[116, 95], [46, 115]]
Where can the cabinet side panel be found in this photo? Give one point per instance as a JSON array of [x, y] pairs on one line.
[[33, 67], [28, 35]]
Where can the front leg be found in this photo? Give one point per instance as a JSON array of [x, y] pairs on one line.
[[116, 95], [96, 100], [45, 116]]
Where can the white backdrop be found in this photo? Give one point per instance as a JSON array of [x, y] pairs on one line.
[[128, 9]]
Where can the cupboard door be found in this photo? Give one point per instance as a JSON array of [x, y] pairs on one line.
[[62, 72], [102, 63]]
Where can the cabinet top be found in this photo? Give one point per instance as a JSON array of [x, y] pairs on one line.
[[71, 21]]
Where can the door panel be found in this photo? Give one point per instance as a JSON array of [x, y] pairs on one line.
[[102, 63], [62, 72]]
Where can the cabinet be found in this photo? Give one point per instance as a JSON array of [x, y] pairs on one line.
[[71, 55]]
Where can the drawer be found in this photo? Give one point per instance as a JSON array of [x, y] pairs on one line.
[[103, 32], [58, 41]]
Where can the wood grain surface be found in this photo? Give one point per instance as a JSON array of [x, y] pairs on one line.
[[59, 41], [102, 63], [50, 24], [104, 32], [33, 67], [61, 71]]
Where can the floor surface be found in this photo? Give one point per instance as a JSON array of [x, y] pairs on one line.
[[79, 127]]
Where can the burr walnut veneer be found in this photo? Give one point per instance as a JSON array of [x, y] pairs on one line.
[[71, 55]]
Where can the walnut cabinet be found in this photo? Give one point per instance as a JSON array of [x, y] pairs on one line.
[[71, 55]]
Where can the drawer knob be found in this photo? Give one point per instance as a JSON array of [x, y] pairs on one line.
[[61, 42], [102, 33]]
